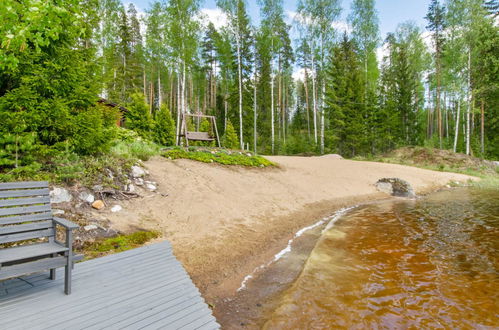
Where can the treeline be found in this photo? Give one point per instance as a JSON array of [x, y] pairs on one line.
[[56, 58]]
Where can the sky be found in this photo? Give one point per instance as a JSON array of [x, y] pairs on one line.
[[390, 12]]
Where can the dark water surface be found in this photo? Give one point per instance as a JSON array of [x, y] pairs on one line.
[[426, 263]]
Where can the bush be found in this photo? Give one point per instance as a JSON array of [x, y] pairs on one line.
[[94, 130], [138, 117], [141, 149], [164, 127], [230, 139]]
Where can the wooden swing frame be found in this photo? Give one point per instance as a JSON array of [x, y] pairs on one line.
[[197, 135]]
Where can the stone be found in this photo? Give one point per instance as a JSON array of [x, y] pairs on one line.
[[399, 187], [385, 187], [249, 155], [98, 204], [90, 227], [139, 182], [86, 197], [130, 188], [57, 212], [150, 186], [60, 195], [116, 208], [97, 188], [138, 172]]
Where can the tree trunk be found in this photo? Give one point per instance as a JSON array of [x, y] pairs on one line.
[[314, 98], [468, 110], [272, 109], [307, 103], [254, 113], [240, 73], [482, 129], [456, 134], [159, 88]]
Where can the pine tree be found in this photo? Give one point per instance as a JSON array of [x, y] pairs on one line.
[[164, 127]]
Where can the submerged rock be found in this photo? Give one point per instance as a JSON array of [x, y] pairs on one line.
[[395, 187]]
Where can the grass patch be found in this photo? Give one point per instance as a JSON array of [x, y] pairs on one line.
[[118, 244], [221, 156]]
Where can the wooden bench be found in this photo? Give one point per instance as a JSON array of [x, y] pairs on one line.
[[28, 242], [199, 136]]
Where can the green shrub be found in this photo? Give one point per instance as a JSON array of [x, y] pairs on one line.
[[94, 130], [230, 139], [141, 149], [138, 117], [164, 127]]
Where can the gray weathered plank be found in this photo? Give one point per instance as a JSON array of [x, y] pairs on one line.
[[23, 185], [25, 209], [145, 286], [30, 251], [26, 227], [25, 218], [24, 193], [26, 235], [24, 201], [105, 274]]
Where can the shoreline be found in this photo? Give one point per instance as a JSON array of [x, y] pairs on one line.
[[223, 222]]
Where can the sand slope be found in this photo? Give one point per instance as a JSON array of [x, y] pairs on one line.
[[224, 221]]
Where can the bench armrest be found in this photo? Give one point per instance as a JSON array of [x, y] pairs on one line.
[[65, 223]]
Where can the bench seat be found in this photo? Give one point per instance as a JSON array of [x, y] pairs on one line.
[[30, 251]]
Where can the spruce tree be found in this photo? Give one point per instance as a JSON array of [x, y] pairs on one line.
[[230, 139], [138, 117], [164, 127]]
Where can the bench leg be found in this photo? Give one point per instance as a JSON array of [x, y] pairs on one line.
[[52, 271], [67, 279]]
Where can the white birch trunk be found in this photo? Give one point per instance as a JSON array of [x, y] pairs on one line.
[[468, 109], [314, 97], [254, 114], [456, 134], [159, 88], [272, 108], [240, 73]]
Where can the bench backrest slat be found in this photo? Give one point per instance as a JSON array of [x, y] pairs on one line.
[[24, 193], [24, 201], [9, 238], [25, 218], [23, 185], [26, 227], [25, 211]]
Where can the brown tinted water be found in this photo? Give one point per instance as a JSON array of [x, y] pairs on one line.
[[426, 263]]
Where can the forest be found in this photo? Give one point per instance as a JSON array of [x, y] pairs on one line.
[[279, 87]]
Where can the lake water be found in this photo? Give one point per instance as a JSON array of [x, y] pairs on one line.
[[426, 263]]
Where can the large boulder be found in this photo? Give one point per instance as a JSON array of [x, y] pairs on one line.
[[395, 187], [60, 195]]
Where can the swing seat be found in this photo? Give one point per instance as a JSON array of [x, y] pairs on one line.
[[199, 136]]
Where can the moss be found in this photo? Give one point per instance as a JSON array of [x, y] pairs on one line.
[[118, 244], [221, 156]]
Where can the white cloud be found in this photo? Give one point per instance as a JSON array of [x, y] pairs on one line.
[[215, 16]]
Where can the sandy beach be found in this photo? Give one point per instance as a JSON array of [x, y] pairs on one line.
[[224, 221]]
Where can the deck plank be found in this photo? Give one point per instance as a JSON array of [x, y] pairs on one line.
[[141, 288]]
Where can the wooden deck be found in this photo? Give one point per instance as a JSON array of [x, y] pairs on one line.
[[144, 288]]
